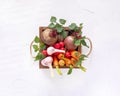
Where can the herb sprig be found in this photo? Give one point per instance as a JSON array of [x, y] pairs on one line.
[[58, 26], [38, 47], [80, 61], [79, 39]]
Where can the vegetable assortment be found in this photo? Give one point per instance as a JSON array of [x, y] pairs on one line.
[[58, 46]]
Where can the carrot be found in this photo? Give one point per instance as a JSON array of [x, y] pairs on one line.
[[55, 61], [75, 54], [60, 56], [67, 61], [61, 62], [56, 65], [73, 61]]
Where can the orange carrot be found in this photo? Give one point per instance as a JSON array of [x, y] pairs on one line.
[[55, 61], [61, 62], [60, 56], [73, 61], [67, 61], [75, 54], [56, 65]]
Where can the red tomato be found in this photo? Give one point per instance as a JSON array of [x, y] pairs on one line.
[[44, 52], [57, 46], [62, 48], [67, 55], [61, 44]]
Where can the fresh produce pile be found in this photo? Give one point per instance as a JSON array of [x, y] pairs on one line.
[[59, 46]]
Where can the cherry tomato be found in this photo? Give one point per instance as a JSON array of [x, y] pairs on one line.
[[45, 52], [61, 44], [57, 46], [67, 55], [62, 48]]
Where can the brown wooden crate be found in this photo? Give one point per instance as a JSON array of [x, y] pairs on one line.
[[41, 29]]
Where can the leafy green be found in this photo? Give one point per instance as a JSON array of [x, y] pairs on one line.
[[84, 43], [59, 28], [64, 34], [35, 47], [81, 59], [36, 39], [39, 56], [72, 26], [51, 25], [79, 63], [70, 70], [42, 46], [81, 25], [62, 21], [77, 42], [53, 19], [80, 41]]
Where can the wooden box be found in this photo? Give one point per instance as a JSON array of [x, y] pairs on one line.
[[41, 29]]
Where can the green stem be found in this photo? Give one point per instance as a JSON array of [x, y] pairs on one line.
[[70, 70], [58, 70]]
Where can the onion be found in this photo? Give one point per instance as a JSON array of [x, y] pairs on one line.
[[69, 43]]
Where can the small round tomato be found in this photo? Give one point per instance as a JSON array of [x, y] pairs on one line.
[[62, 48], [44, 52], [67, 55], [61, 44], [57, 46]]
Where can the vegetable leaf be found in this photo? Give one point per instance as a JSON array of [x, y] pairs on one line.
[[72, 26], [81, 25], [77, 42], [51, 25], [84, 43], [81, 59], [64, 34], [70, 70], [53, 19], [59, 28], [62, 21], [79, 63], [39, 56], [42, 46], [35, 47], [36, 40]]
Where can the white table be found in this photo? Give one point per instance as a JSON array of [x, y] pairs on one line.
[[19, 23]]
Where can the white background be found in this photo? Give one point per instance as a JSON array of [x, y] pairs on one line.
[[19, 23]]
